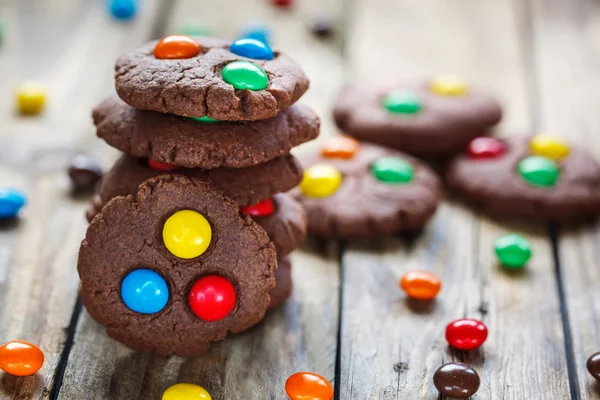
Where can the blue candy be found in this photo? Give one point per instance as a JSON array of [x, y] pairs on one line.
[[251, 48], [11, 201], [123, 9], [257, 32], [144, 291]]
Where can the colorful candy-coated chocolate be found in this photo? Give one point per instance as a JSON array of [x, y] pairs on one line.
[[252, 48], [322, 28], [539, 171], [549, 146], [194, 28], [157, 166], [449, 85], [11, 202], [123, 9], [31, 98], [485, 147], [20, 358], [187, 234], [177, 47], [513, 250], [308, 386], [393, 170], [244, 75], [341, 146], [186, 391], [261, 209], [85, 172], [282, 3], [421, 285], [206, 119], [320, 180], [402, 102], [593, 365], [144, 291], [212, 298], [466, 334], [259, 32], [456, 380]]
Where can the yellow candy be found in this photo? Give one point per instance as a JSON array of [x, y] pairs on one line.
[[31, 98], [186, 391], [187, 234], [320, 180], [549, 146], [449, 85]]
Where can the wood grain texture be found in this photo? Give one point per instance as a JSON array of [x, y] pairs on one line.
[[391, 347], [567, 38]]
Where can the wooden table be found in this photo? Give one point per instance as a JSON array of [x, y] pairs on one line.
[[347, 319]]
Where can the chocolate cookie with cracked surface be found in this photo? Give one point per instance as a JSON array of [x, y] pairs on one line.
[[148, 263], [356, 189], [188, 143], [208, 80], [430, 119], [283, 283], [539, 178]]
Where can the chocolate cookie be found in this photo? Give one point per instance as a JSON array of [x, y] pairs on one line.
[[283, 283], [205, 78], [170, 139], [175, 267], [429, 119], [540, 178], [245, 185], [353, 189]]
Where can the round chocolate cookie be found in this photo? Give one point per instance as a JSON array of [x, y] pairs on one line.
[[245, 185], [208, 79], [175, 267], [181, 141], [283, 283], [537, 178], [429, 119], [353, 189]]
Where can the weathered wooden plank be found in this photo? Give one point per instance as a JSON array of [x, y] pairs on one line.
[[567, 38], [301, 335], [390, 347]]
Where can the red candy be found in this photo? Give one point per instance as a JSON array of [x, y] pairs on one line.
[[282, 3], [212, 298], [485, 147], [176, 47], [160, 166], [20, 358], [466, 334], [260, 209]]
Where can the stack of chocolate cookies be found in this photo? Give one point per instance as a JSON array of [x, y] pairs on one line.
[[192, 221]]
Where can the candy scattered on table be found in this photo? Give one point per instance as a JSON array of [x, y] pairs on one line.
[[402, 102], [187, 234], [144, 291], [466, 334], [85, 172], [261, 209], [123, 9], [485, 147], [282, 3], [176, 47], [31, 98], [449, 85], [421, 285], [344, 147], [20, 358], [212, 298], [593, 365], [393, 170], [513, 250], [456, 380], [320, 180], [252, 48], [549, 146], [194, 28], [186, 391], [322, 28], [308, 386], [157, 166], [244, 75], [11, 202], [539, 171]]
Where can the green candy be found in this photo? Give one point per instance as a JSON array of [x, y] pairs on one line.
[[539, 171], [402, 102], [393, 170], [205, 119], [194, 29], [513, 250], [245, 75]]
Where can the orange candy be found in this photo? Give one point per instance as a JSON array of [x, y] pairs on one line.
[[20, 358], [176, 47], [340, 147], [308, 386], [421, 285]]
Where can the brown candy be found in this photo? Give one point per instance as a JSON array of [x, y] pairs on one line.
[[456, 380], [593, 365], [85, 172]]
